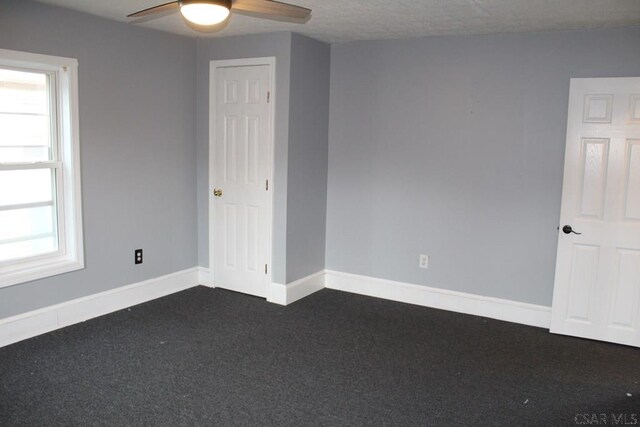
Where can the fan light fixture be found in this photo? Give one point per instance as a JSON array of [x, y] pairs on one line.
[[204, 12], [213, 15]]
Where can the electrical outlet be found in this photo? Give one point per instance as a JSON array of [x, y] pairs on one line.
[[137, 256], [424, 261]]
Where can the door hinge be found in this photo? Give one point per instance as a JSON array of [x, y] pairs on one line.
[[265, 269], [267, 186], [268, 97]]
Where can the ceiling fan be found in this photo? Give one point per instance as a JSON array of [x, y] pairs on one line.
[[210, 13]]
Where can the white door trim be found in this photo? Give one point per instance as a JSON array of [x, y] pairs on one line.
[[227, 63]]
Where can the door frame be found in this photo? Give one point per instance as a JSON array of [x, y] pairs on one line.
[[213, 67]]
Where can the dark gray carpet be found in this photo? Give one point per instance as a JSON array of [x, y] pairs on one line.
[[208, 356]]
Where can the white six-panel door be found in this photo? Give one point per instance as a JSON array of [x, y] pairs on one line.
[[240, 202], [597, 282]]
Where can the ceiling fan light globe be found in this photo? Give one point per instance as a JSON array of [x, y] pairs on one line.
[[204, 13]]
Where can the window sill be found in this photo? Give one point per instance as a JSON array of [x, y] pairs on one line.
[[28, 272]]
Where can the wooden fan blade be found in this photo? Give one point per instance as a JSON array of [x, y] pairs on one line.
[[271, 9], [155, 9]]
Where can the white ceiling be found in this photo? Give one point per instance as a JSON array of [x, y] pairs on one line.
[[338, 21]]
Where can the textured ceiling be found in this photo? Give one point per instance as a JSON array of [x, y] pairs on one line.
[[338, 21]]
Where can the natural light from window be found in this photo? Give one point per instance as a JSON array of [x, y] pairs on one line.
[[40, 206], [27, 200]]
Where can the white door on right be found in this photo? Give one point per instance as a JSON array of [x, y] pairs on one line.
[[597, 282]]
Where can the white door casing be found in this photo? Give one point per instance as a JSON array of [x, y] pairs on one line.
[[241, 165], [597, 281]]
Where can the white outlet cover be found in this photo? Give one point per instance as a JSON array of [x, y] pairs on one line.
[[424, 261]]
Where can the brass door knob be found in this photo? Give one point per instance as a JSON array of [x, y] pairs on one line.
[[217, 192]]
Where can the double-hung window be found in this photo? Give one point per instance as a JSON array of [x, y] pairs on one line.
[[40, 207]]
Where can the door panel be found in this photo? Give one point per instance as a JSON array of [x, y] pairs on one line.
[[242, 149], [584, 274], [594, 175], [634, 109], [597, 284], [230, 235], [230, 155], [632, 189], [624, 308]]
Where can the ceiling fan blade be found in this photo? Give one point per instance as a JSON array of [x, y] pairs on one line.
[[270, 9], [155, 9]]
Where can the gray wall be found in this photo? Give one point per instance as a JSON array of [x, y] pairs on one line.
[[453, 147], [308, 150], [449, 146], [137, 140], [262, 45], [301, 144]]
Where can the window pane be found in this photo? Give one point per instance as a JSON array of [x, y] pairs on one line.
[[24, 154], [21, 223], [23, 93], [25, 121], [26, 186], [24, 138], [27, 248]]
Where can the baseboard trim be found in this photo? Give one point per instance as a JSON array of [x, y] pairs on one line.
[[37, 322], [494, 308], [277, 294], [294, 291], [204, 277]]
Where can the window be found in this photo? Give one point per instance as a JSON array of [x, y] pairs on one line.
[[40, 215]]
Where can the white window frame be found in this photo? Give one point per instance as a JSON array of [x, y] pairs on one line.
[[70, 253]]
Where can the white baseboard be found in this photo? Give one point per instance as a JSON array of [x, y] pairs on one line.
[[33, 323], [292, 292], [277, 294], [204, 277], [495, 308]]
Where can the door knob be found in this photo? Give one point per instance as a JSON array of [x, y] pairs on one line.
[[568, 230], [217, 192]]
